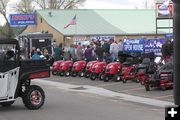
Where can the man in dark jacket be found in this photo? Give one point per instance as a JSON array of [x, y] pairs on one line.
[[58, 53], [99, 52], [106, 47]]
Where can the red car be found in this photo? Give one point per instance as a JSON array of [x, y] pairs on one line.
[[78, 68], [112, 71]]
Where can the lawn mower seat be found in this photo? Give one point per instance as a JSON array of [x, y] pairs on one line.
[[146, 61]]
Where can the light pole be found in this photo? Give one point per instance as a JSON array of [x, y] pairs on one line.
[[176, 30]]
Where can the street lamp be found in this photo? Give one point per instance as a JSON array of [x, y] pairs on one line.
[[176, 51]]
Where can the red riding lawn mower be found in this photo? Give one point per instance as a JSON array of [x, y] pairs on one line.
[[144, 70], [128, 72], [78, 68], [56, 66], [16, 75], [98, 70], [65, 68], [112, 72], [163, 78], [142, 74], [88, 68]]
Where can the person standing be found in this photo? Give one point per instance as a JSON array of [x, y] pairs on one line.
[[79, 53], [58, 52], [99, 52], [166, 51], [113, 50], [106, 47], [88, 53], [72, 52], [120, 45]]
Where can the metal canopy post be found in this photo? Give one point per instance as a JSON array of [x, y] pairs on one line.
[[176, 51]]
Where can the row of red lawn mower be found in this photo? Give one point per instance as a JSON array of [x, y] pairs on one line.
[[146, 72]]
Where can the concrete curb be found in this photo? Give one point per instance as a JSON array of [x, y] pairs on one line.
[[105, 93]]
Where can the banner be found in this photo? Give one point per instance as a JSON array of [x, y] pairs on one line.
[[102, 37], [154, 45], [133, 45], [22, 19]]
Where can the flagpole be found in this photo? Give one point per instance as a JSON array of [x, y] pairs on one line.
[[76, 28]]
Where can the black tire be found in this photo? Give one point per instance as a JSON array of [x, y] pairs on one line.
[[163, 88], [137, 80], [61, 73], [106, 78], [142, 82], [67, 73], [147, 87], [93, 76], [54, 73], [74, 73], [101, 76], [87, 75], [28, 100], [124, 80], [6, 104], [117, 78], [81, 74]]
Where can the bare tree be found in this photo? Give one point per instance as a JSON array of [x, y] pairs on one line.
[[25, 6], [58, 4], [6, 30], [28, 6]]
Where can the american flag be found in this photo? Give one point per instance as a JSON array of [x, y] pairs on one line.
[[72, 22]]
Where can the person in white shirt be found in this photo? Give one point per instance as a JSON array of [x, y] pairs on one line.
[[113, 50]]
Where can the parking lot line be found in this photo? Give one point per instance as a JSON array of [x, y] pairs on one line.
[[162, 97], [133, 89]]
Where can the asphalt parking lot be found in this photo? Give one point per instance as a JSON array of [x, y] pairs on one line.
[[130, 87]]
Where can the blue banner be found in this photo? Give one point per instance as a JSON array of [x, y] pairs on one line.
[[133, 45], [154, 45], [22, 19]]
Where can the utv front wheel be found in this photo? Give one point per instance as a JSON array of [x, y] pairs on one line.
[[33, 97]]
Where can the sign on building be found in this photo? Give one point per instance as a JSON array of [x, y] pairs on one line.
[[133, 45], [164, 10], [22, 19], [102, 37], [154, 45]]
